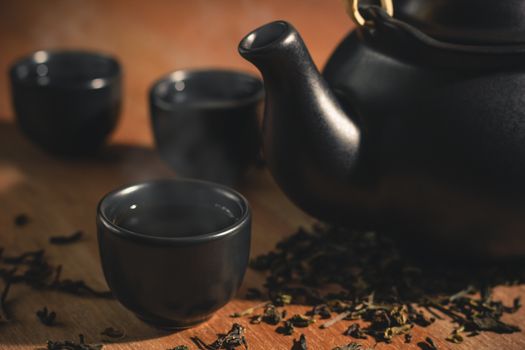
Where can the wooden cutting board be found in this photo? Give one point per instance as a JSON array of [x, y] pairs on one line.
[[60, 196]]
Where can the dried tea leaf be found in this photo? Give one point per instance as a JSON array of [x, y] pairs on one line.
[[271, 315], [301, 321], [72, 238], [408, 338], [113, 333], [286, 329], [355, 331], [456, 336], [282, 299], [491, 324], [36, 272], [234, 338], [390, 332], [321, 310], [21, 220], [46, 317], [256, 319], [70, 345], [428, 344], [300, 344]]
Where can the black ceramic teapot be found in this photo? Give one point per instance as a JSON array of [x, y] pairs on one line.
[[416, 126]]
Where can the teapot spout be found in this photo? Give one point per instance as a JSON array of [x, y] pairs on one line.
[[310, 143]]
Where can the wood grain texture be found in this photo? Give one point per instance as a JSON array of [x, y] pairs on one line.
[[150, 38], [61, 196]]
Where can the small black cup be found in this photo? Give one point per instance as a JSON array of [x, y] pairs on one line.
[[67, 102], [205, 122], [174, 251]]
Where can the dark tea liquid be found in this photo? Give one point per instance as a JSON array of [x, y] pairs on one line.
[[175, 220]]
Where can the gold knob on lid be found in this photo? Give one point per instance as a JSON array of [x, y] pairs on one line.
[[352, 7]]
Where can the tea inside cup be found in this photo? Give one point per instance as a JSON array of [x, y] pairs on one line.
[[177, 211], [174, 251]]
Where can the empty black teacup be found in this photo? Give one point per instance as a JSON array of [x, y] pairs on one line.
[[205, 122], [67, 102], [174, 251]]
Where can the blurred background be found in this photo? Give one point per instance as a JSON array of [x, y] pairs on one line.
[[153, 37], [149, 38]]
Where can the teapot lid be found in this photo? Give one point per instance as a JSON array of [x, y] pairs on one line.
[[488, 22]]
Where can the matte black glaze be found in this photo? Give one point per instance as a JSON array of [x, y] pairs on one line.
[[205, 122], [431, 144], [173, 281], [67, 102], [309, 143], [466, 21]]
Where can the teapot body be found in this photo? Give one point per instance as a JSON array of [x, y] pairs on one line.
[[442, 150], [404, 133]]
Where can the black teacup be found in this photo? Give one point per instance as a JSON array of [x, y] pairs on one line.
[[205, 122], [67, 102], [174, 251]]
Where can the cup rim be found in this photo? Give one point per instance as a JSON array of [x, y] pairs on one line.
[[181, 74], [41, 56], [131, 234]]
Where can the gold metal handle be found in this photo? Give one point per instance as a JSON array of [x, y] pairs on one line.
[[352, 7]]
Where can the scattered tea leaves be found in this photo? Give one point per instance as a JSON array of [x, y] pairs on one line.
[[36, 272], [46, 317], [389, 291], [33, 269], [233, 339], [71, 345], [490, 324], [72, 238]]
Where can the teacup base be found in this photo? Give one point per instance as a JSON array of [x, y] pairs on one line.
[[172, 325]]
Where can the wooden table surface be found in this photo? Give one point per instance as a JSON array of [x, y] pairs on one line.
[[59, 196]]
